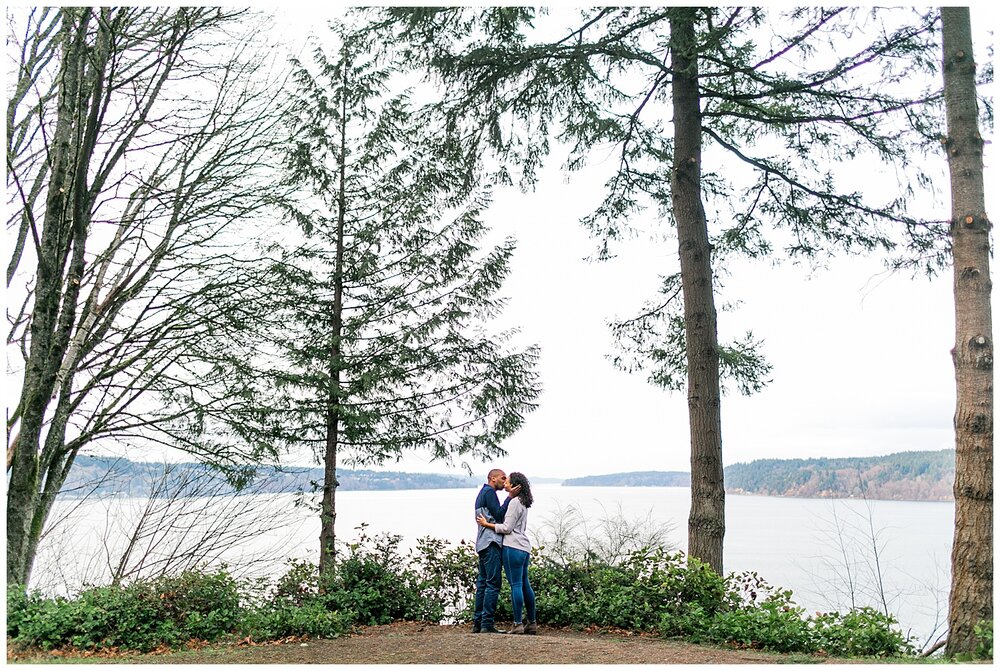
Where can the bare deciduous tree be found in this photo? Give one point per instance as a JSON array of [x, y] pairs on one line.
[[137, 138]]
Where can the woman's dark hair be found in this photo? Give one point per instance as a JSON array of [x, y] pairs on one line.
[[518, 480]]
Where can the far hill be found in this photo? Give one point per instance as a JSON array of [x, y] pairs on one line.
[[903, 476], [118, 476], [634, 479], [909, 476], [114, 476]]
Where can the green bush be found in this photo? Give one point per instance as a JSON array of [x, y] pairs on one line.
[[862, 632], [770, 625], [648, 590], [447, 576], [18, 603], [654, 590], [377, 594], [141, 616], [299, 584], [984, 639], [279, 619], [374, 583]]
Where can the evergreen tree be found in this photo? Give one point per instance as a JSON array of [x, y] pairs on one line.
[[386, 303], [781, 96], [971, 598]]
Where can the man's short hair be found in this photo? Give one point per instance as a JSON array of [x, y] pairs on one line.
[[492, 473]]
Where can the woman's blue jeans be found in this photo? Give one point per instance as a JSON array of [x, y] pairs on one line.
[[515, 565]]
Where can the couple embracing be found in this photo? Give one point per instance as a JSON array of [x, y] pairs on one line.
[[502, 541]]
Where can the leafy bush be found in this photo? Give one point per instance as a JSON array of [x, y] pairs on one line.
[[447, 576], [770, 625], [665, 592], [376, 591], [140, 616], [373, 583], [299, 584], [648, 588], [18, 604], [859, 632], [279, 619], [984, 639]]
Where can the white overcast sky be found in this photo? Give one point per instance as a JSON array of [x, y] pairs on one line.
[[861, 357]]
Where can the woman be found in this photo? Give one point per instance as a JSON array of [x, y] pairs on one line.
[[517, 551]]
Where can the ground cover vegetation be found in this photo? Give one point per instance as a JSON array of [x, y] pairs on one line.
[[651, 590]]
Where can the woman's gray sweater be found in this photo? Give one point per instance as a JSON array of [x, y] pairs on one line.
[[515, 527]]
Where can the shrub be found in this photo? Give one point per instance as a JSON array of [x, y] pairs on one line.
[[18, 603], [647, 590], [447, 576], [375, 584], [650, 589], [658, 591], [300, 583], [282, 619], [770, 625], [860, 632], [984, 639], [140, 616]]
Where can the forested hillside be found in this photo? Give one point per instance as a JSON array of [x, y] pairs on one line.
[[923, 476], [633, 479], [104, 476], [911, 476]]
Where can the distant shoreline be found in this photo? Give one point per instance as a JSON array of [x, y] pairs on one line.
[[902, 476], [735, 492]]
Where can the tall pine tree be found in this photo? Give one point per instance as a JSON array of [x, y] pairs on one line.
[[387, 302]]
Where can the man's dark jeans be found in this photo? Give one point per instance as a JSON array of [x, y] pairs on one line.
[[488, 586]]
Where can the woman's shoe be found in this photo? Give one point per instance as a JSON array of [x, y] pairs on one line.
[[531, 628], [518, 629]]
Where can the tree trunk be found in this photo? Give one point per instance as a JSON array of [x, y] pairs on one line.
[[328, 512], [707, 521], [54, 312], [971, 597]]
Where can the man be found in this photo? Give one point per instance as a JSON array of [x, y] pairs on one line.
[[489, 546]]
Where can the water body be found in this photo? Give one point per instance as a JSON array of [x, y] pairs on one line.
[[828, 552]]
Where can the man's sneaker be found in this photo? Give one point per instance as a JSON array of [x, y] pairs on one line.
[[531, 628], [491, 630], [476, 628], [518, 629]]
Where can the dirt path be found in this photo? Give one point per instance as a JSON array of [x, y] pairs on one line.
[[414, 643]]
